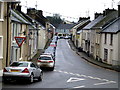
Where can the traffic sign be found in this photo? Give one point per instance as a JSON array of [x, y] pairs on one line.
[[20, 40]]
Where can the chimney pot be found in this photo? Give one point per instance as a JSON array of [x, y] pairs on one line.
[[119, 9]]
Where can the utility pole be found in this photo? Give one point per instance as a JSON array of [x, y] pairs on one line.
[[112, 4], [36, 5]]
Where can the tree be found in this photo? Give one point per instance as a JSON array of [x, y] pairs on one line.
[[55, 19]]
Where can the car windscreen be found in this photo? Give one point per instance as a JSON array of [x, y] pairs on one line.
[[45, 58], [17, 64]]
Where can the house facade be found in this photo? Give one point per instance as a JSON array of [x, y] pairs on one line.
[[77, 34], [108, 16], [88, 41], [110, 37], [3, 39], [5, 33], [64, 29], [19, 28], [43, 26]]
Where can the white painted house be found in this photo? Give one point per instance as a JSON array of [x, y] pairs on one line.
[[110, 36]]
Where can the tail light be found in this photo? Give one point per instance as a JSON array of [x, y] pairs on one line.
[[50, 61], [25, 70], [5, 70], [39, 61]]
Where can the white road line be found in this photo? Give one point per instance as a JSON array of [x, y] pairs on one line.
[[97, 78], [72, 73], [74, 79], [66, 72], [105, 80], [82, 75], [79, 87], [68, 43], [90, 77], [105, 83]]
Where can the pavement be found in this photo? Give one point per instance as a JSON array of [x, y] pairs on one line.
[[93, 61]]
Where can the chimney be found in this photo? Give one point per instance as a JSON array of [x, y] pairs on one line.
[[19, 8], [40, 12], [31, 11], [119, 9], [107, 11], [83, 18], [97, 14]]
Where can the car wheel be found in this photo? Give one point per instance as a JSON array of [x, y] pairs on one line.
[[40, 77], [31, 78]]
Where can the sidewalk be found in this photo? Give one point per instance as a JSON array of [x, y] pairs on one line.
[[91, 60]]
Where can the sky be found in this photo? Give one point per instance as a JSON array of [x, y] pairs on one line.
[[70, 9]]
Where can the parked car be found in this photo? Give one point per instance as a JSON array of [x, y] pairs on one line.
[[46, 61], [53, 44], [51, 50], [66, 37], [22, 70], [49, 54]]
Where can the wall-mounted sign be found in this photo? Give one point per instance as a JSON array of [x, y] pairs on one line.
[[20, 40]]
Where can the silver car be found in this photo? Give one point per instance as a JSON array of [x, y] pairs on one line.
[[22, 70], [46, 60]]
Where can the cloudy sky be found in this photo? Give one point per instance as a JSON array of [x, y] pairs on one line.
[[70, 9]]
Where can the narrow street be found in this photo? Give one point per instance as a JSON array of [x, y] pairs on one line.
[[71, 71]]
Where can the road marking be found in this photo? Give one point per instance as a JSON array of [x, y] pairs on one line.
[[105, 83], [79, 87], [74, 79], [68, 44], [85, 76], [66, 72]]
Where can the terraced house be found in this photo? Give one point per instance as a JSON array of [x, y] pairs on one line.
[[110, 36], [14, 25], [4, 33]]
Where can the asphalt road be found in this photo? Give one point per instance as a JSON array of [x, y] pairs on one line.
[[71, 71]]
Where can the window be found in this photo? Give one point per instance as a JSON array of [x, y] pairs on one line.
[[1, 10], [19, 64], [1, 46], [111, 39], [33, 65], [105, 38]]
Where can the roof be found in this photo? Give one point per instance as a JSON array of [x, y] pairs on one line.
[[106, 20], [65, 26], [113, 27], [17, 17], [94, 22]]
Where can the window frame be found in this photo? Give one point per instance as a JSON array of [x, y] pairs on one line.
[[1, 11], [105, 38], [111, 39], [1, 46]]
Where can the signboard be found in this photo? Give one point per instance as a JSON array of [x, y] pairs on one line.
[[20, 40]]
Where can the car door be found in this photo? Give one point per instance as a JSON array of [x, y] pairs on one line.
[[33, 67], [38, 71]]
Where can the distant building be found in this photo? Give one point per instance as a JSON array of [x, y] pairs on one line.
[[64, 29]]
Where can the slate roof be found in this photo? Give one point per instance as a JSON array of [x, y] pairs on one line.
[[17, 17], [65, 26], [106, 20], [113, 27], [93, 23]]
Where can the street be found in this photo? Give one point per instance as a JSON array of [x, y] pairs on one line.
[[71, 71]]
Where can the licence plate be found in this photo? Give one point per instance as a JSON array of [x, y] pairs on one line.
[[15, 70]]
